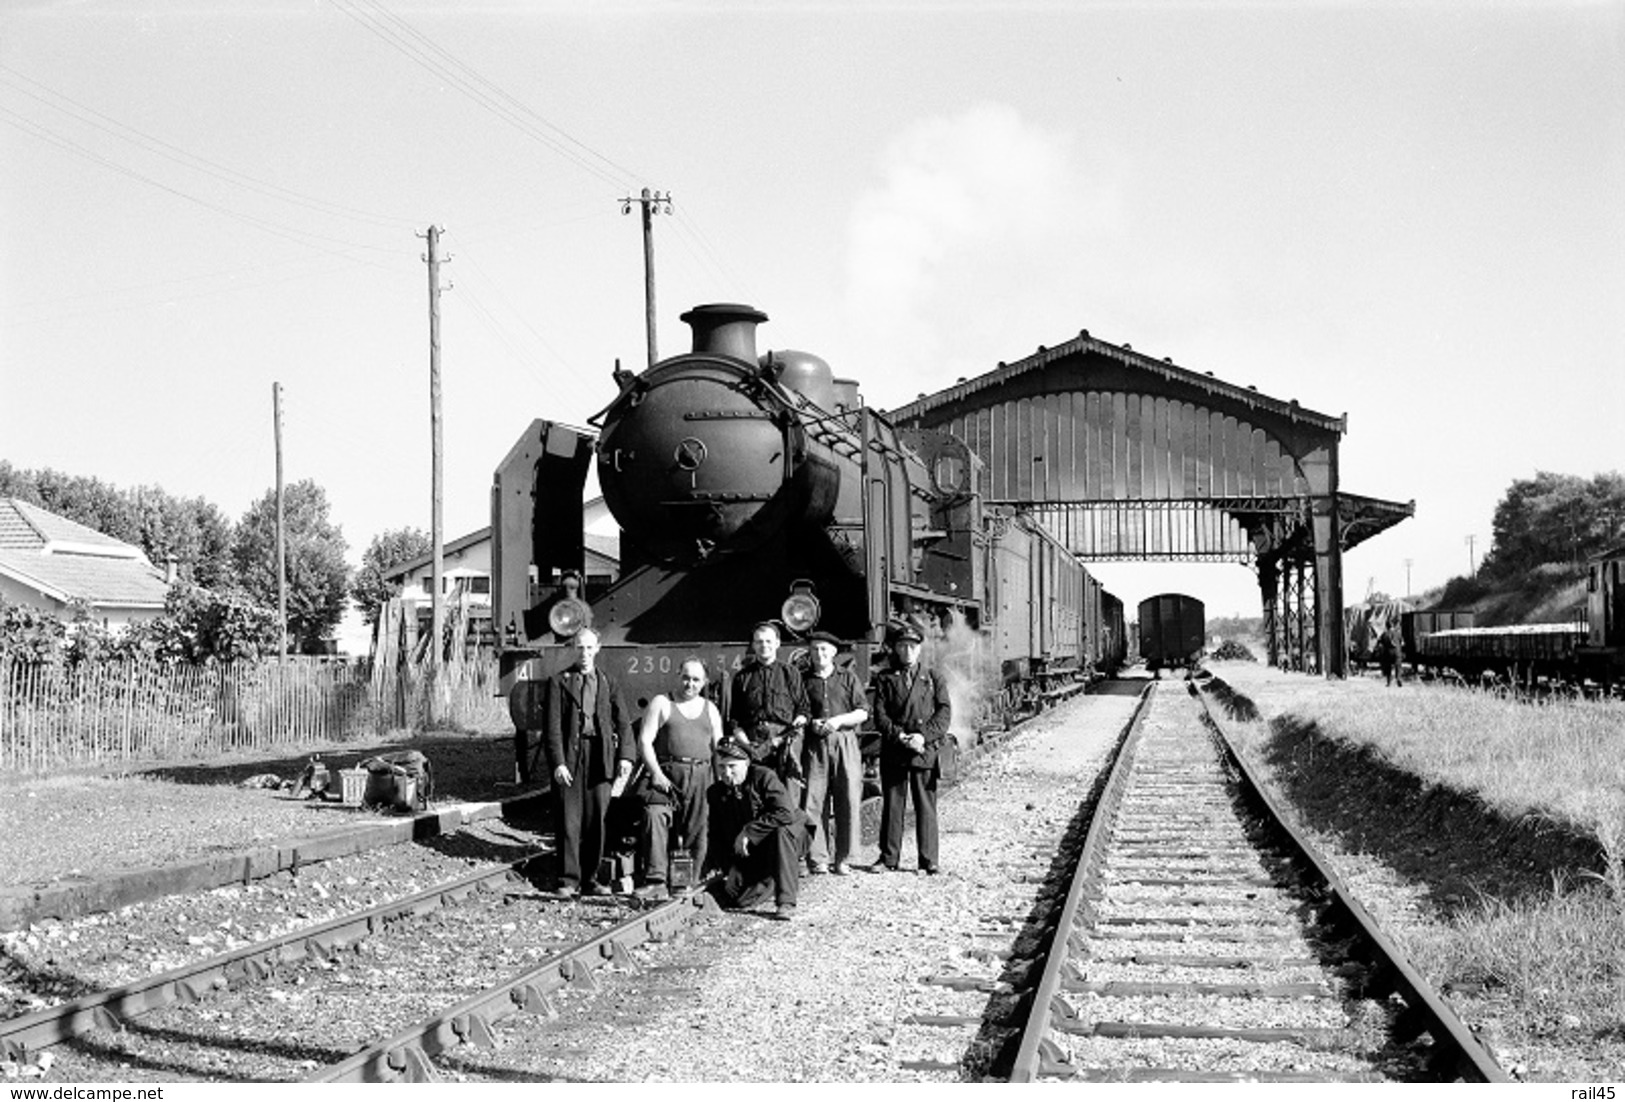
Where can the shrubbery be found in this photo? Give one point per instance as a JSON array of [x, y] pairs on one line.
[[197, 625], [1232, 651]]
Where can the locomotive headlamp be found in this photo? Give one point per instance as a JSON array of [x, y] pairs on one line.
[[800, 610], [567, 617]]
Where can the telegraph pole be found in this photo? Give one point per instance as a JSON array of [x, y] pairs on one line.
[[438, 617], [1408, 578], [281, 536], [653, 203], [1472, 562]]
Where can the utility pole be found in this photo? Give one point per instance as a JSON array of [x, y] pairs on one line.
[[1408, 578], [281, 534], [1472, 562], [653, 203], [437, 620]]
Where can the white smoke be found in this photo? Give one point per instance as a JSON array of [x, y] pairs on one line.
[[961, 656], [963, 204]]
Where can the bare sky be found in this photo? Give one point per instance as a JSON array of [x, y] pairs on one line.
[[1410, 213]]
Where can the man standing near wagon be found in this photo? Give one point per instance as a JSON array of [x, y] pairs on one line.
[[589, 744], [831, 760], [767, 709], [912, 712], [1388, 658]]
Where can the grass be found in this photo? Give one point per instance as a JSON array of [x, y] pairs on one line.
[[1560, 759], [1555, 960], [1510, 817]]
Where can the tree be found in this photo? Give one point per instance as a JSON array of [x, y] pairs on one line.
[[318, 577], [387, 550], [1555, 518]]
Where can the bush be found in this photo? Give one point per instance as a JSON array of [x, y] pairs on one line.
[[1232, 651], [30, 635], [199, 625]]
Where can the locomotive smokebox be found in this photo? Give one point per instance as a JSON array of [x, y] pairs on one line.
[[707, 451], [725, 329]]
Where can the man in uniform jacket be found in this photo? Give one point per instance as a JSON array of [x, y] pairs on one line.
[[589, 745], [757, 835], [767, 709], [911, 712]]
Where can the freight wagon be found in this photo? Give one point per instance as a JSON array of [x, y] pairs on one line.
[[1173, 630]]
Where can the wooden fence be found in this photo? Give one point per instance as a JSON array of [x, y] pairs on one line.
[[145, 710]]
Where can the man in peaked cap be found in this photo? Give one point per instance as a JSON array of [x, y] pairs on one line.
[[912, 712], [757, 836], [831, 760]]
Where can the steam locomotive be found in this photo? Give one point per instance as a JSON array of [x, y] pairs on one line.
[[749, 487]]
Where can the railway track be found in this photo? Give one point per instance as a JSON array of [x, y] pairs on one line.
[[301, 1005], [1201, 939], [276, 1009]]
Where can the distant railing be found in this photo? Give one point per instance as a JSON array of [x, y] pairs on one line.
[[101, 713]]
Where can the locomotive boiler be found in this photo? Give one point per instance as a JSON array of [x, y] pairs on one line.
[[755, 485]]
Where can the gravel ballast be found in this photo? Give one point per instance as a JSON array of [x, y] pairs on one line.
[[839, 994]]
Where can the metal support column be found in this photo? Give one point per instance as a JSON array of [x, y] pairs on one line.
[[1313, 654], [1269, 592]]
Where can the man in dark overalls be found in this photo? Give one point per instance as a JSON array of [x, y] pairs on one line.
[[1389, 659], [912, 712], [589, 745], [758, 836], [767, 709]]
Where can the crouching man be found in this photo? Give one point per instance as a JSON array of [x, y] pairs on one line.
[[757, 837]]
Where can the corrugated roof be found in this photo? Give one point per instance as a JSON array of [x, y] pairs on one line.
[[97, 579], [1083, 343]]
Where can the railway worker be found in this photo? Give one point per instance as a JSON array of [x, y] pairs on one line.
[[757, 835], [912, 713], [589, 746], [830, 759], [678, 736], [767, 708], [1388, 659]]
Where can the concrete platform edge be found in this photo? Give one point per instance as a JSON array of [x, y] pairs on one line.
[[24, 905]]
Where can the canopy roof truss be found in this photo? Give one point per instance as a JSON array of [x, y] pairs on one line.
[[1127, 457]]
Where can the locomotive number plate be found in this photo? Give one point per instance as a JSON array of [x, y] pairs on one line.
[[668, 662]]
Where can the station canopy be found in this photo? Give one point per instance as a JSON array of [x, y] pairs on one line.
[[1127, 457]]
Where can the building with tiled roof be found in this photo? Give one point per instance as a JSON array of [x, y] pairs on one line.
[[48, 562]]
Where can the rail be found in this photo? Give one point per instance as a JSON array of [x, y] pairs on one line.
[[1455, 1052]]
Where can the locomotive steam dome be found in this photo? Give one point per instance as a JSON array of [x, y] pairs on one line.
[[703, 450]]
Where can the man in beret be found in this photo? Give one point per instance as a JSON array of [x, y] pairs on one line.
[[767, 709], [757, 836], [830, 758], [912, 712]]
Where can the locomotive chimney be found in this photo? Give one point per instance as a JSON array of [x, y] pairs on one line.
[[725, 329]]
